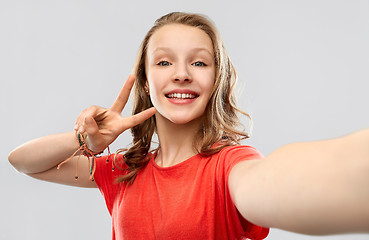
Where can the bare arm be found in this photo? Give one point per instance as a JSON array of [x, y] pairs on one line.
[[312, 188], [39, 158]]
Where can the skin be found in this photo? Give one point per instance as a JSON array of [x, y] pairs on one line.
[[317, 188], [313, 188], [179, 57], [176, 124], [39, 157]]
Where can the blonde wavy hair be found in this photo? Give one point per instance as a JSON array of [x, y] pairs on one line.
[[220, 120]]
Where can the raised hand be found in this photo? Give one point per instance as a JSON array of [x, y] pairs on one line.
[[103, 125]]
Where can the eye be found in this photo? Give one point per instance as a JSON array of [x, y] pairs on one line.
[[199, 64], [164, 63]]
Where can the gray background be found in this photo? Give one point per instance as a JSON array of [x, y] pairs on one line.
[[303, 71]]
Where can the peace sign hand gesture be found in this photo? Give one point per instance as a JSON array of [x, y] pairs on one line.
[[103, 125]]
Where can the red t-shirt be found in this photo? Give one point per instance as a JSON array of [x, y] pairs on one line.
[[190, 200]]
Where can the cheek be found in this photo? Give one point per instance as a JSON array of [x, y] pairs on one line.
[[152, 80], [208, 85], [154, 89], [154, 83]]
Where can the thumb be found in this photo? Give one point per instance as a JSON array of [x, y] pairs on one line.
[[91, 126], [93, 139]]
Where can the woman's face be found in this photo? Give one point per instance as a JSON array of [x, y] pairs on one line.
[[180, 70]]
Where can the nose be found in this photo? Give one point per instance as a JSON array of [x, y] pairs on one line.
[[182, 74]]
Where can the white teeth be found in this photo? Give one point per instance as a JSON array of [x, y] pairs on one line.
[[181, 95]]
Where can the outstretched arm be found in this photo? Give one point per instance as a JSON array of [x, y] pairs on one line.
[[314, 188]]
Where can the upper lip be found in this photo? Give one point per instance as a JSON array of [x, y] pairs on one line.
[[187, 91]]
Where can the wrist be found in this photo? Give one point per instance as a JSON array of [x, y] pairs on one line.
[[85, 150]]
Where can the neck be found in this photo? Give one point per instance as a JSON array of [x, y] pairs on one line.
[[176, 141]]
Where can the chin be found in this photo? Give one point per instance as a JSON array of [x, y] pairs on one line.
[[184, 119], [180, 121], [179, 117]]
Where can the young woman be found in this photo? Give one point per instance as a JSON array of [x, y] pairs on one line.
[[200, 183]]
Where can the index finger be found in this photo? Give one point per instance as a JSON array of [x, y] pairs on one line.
[[123, 95]]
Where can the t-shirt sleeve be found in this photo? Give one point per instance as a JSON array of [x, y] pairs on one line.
[[105, 174], [234, 155], [237, 154]]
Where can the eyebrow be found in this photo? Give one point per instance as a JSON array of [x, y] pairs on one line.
[[198, 49]]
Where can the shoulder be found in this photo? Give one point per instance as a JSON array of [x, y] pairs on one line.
[[239, 153], [230, 156]]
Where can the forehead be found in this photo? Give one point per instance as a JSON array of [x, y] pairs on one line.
[[180, 37]]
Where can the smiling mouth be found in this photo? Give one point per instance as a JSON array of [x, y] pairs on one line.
[[181, 96]]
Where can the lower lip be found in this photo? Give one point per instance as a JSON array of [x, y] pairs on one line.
[[181, 101]]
